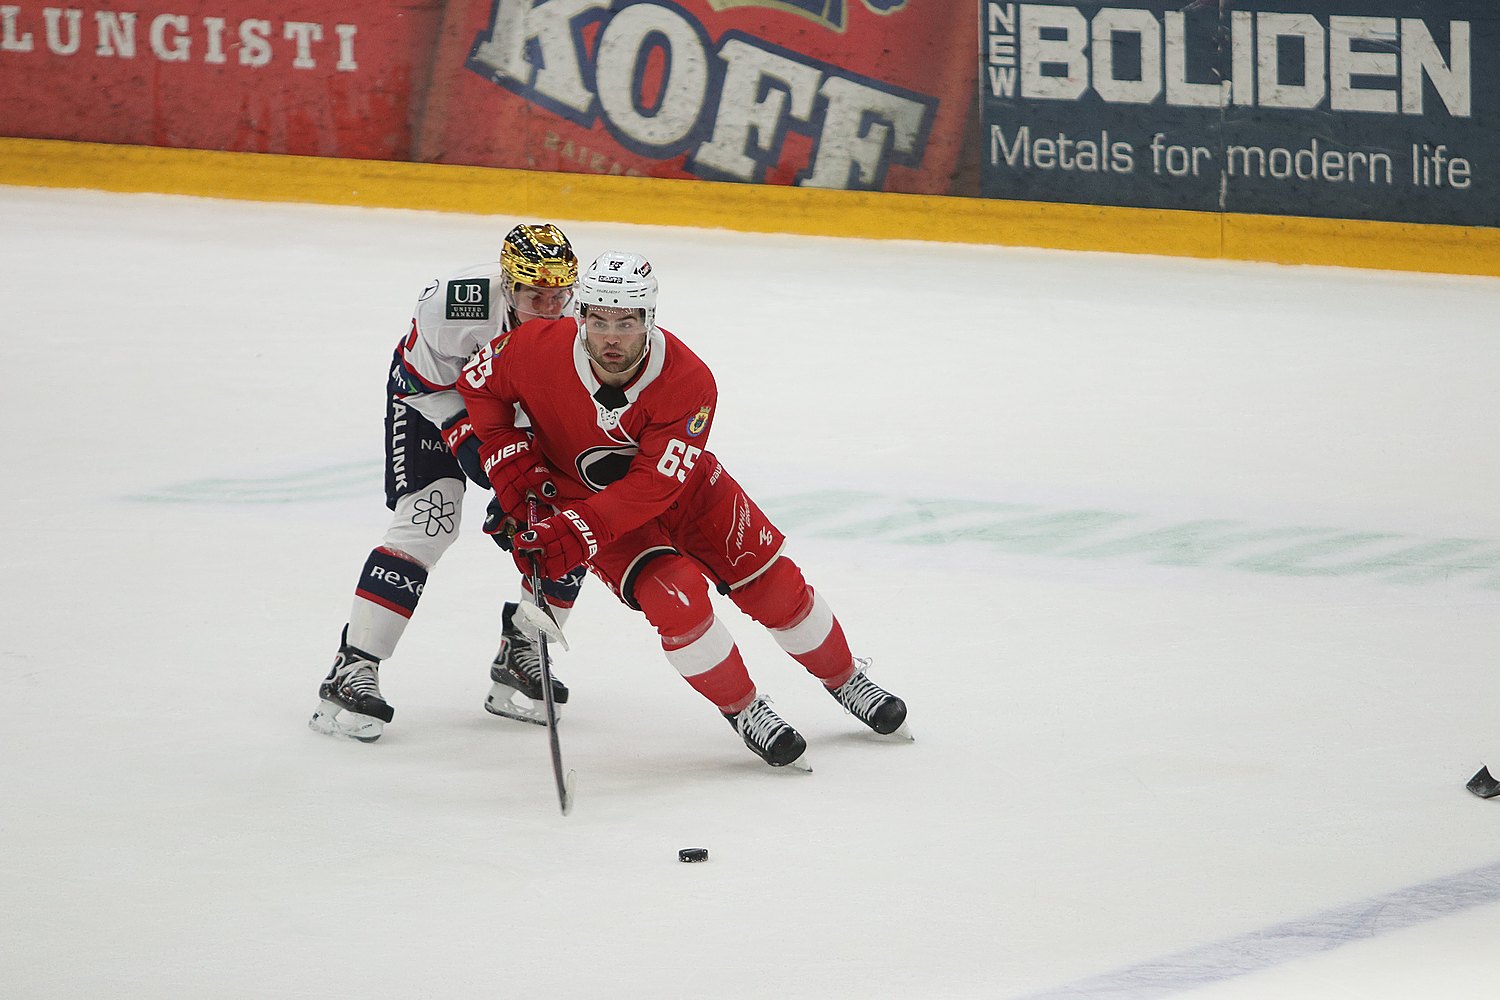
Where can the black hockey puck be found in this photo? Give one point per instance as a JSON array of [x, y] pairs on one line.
[[1483, 785], [693, 854]]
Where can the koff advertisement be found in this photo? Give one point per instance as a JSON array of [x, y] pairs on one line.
[[848, 94], [1353, 109], [859, 94]]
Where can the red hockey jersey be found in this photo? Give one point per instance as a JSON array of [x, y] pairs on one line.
[[630, 452]]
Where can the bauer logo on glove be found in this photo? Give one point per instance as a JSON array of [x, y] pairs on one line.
[[556, 544]]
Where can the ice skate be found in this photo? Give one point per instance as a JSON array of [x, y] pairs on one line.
[[516, 691], [872, 704], [352, 706], [765, 732]]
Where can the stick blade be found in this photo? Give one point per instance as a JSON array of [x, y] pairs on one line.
[[534, 621]]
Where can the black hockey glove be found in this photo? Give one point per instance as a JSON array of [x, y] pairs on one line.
[[498, 524]]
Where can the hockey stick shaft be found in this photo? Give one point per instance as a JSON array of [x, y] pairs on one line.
[[564, 779]]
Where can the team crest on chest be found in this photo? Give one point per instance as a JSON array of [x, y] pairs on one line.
[[699, 421], [608, 419]]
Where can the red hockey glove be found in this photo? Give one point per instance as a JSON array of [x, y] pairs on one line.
[[560, 542], [514, 480], [458, 435]]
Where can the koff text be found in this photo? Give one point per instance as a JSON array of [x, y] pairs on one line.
[[727, 105]]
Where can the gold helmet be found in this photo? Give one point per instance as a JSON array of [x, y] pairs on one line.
[[540, 256]]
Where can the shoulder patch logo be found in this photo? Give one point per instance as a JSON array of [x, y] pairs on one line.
[[469, 299], [699, 421], [489, 350]]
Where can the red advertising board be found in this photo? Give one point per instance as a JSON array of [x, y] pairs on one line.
[[306, 76], [856, 94]]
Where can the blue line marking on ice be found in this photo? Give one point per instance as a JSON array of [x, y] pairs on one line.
[[1279, 944]]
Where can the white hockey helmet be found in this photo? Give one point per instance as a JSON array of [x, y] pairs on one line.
[[618, 280]]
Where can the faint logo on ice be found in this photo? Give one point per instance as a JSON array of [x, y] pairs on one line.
[[343, 481], [1466, 559], [1092, 534]]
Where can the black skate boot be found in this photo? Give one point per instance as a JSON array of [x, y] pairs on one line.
[[352, 705], [517, 675], [765, 732], [872, 704]]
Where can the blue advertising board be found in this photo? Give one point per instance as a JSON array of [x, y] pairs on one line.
[[1347, 109]]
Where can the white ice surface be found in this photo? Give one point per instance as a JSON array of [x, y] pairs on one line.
[[1189, 572]]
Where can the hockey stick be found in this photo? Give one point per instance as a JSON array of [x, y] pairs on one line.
[[564, 781]]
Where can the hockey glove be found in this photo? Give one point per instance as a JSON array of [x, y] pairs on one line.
[[458, 435], [522, 476], [559, 543], [499, 521], [499, 525]]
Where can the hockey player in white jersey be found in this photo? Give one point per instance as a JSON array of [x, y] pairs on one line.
[[430, 447]]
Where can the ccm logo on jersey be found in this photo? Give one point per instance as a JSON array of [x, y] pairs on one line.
[[455, 435], [508, 452]]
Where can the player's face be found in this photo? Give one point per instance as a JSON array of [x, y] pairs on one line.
[[541, 303], [616, 338]]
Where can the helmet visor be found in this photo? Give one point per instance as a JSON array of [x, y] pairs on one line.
[[544, 301]]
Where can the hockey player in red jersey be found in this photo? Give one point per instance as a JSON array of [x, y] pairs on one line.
[[621, 412], [429, 448]]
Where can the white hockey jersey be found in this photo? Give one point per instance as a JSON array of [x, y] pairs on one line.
[[453, 319]]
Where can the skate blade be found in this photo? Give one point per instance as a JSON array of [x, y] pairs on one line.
[[332, 719], [508, 703], [801, 765], [902, 734]]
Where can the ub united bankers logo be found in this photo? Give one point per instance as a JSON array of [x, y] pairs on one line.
[[469, 299]]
